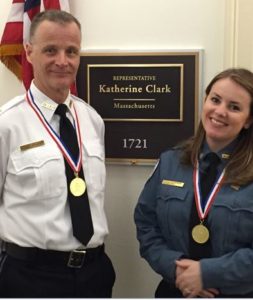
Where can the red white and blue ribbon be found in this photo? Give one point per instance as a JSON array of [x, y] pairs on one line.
[[75, 165], [202, 213]]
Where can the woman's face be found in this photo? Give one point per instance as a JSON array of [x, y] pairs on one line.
[[226, 112]]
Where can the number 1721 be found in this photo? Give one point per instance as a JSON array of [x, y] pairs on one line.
[[131, 143]]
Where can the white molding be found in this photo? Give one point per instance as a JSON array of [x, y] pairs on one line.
[[238, 41], [243, 36], [230, 33]]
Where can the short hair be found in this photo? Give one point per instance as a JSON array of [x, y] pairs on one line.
[[52, 15]]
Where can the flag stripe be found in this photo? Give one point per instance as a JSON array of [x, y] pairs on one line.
[[16, 13], [51, 4], [13, 34], [33, 11]]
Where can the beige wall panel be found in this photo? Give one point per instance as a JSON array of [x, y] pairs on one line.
[[243, 34]]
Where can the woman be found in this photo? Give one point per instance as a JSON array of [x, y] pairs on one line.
[[199, 238]]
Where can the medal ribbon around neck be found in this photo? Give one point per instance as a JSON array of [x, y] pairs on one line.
[[217, 185], [75, 166]]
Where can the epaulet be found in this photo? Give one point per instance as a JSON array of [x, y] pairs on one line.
[[177, 147], [12, 103], [75, 98], [173, 148]]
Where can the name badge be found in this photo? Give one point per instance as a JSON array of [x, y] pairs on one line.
[[32, 145], [48, 105], [173, 183]]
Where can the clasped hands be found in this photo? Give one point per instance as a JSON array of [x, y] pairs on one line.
[[189, 281]]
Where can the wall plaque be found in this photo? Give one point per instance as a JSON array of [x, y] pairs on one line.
[[149, 101]]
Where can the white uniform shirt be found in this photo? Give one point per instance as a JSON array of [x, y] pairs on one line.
[[33, 187]]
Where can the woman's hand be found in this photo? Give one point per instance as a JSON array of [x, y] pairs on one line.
[[208, 293], [189, 281]]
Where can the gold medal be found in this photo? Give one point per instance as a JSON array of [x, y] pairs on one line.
[[200, 234], [77, 186]]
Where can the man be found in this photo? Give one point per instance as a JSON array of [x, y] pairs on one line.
[[45, 180]]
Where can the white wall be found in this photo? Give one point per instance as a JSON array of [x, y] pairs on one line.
[[217, 26], [243, 34]]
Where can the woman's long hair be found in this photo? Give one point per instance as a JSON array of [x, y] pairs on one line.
[[239, 170]]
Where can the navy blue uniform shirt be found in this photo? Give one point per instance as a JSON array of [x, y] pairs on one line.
[[162, 219]]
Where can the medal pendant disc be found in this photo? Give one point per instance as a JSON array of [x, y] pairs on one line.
[[200, 234], [77, 187]]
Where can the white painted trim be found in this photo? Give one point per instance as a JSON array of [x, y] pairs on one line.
[[230, 33]]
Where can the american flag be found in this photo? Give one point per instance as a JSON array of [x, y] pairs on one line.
[[16, 33]]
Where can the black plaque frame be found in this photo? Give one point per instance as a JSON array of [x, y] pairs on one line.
[[148, 100]]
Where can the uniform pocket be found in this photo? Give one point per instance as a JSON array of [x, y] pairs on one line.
[[173, 210], [237, 231], [173, 193], [36, 172]]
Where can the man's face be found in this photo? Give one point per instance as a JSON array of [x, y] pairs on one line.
[[54, 53]]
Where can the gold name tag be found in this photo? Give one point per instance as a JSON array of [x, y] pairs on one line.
[[173, 183], [32, 145], [48, 105], [225, 155]]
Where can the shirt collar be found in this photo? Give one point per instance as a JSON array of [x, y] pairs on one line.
[[46, 105], [224, 154]]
